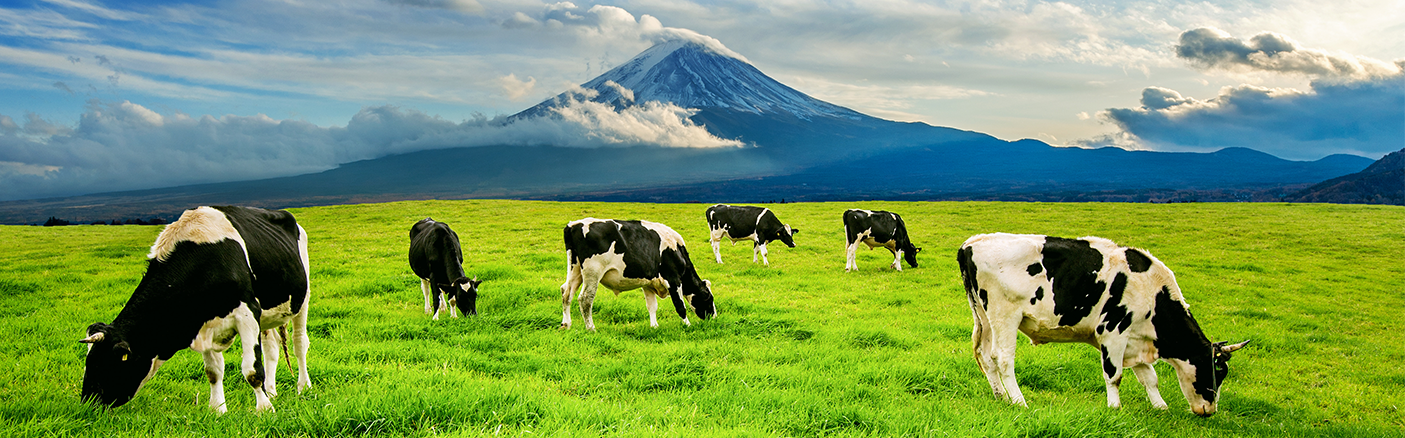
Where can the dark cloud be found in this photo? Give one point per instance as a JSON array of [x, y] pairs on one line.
[[1211, 48], [1355, 105], [1364, 117]]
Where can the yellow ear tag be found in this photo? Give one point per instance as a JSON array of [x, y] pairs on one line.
[[124, 358]]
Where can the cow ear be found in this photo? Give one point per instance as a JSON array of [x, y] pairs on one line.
[[794, 231], [1232, 348], [122, 349]]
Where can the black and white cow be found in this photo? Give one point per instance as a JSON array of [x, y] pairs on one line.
[[437, 260], [628, 255], [875, 229], [215, 273], [759, 225], [1119, 299]]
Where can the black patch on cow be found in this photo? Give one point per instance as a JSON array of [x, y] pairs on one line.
[[1034, 269], [985, 302], [1073, 267], [1178, 336], [271, 237], [1137, 261], [1038, 295], [968, 274], [1109, 368], [1115, 315], [884, 227]]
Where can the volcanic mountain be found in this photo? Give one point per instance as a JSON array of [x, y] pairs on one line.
[[732, 99]]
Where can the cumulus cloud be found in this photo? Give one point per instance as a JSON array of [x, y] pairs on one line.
[[516, 89], [125, 146], [1355, 104], [613, 23], [1362, 117], [1212, 48]]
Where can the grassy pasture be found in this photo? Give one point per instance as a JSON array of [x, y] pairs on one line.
[[800, 348]]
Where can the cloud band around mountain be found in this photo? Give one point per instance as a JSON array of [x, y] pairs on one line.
[[124, 146]]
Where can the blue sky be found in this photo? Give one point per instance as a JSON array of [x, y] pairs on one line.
[[92, 92]]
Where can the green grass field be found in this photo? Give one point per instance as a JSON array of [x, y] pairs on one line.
[[800, 348]]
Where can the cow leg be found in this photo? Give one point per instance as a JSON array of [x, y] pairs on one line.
[[761, 248], [573, 283], [1005, 336], [298, 341], [424, 286], [1112, 370], [453, 306], [270, 341], [716, 246], [248, 326], [587, 299], [849, 263], [651, 301], [1146, 374], [590, 279], [983, 347], [214, 371], [897, 259], [438, 305]]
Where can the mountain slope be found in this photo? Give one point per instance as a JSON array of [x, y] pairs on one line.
[[1383, 182]]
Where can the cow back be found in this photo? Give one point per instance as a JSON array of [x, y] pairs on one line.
[[271, 241], [435, 252]]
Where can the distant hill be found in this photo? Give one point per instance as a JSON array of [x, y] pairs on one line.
[[1383, 182]]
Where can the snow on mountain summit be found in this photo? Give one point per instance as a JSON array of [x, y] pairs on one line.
[[693, 75]]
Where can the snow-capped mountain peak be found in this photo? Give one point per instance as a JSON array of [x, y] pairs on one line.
[[694, 75]]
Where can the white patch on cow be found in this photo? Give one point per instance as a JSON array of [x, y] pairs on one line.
[[198, 225], [218, 333], [155, 365], [586, 223], [668, 239], [1185, 375]]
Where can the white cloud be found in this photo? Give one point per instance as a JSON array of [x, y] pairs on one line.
[[516, 89], [125, 146], [1212, 48]]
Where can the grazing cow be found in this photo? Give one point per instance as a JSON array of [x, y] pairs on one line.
[[875, 229], [436, 258], [759, 225], [628, 255], [215, 273], [1119, 299]]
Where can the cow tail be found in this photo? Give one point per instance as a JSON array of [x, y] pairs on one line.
[[283, 339], [978, 316]]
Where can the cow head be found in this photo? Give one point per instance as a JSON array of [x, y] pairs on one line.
[[114, 371], [910, 254], [464, 293], [702, 301], [786, 235], [1201, 377]]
